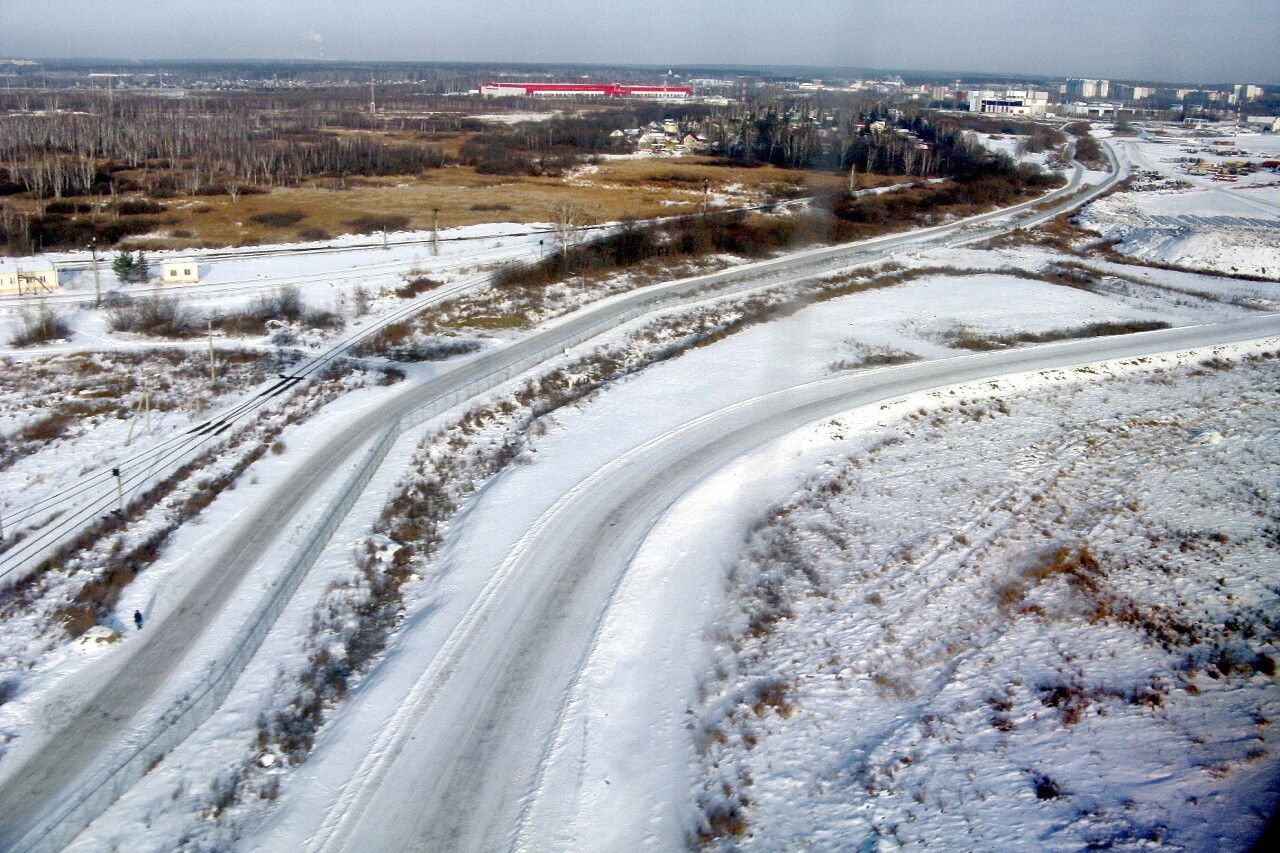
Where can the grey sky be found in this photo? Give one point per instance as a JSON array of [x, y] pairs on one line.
[[1173, 40]]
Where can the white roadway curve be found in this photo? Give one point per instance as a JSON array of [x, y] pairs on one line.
[[120, 727], [458, 765]]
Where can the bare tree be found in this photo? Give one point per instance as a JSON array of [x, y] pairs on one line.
[[568, 221]]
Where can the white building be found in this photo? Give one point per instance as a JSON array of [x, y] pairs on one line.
[[1094, 109], [1271, 123], [27, 281], [180, 271], [1022, 102], [1086, 88]]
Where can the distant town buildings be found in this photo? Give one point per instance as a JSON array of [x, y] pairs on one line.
[[1085, 88], [1091, 109], [1024, 102], [584, 90], [1125, 92]]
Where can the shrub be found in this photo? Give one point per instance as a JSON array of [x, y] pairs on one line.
[[40, 325], [278, 218], [242, 323], [371, 224], [47, 428], [161, 316], [396, 342], [416, 287], [139, 207], [314, 234], [1046, 788], [64, 206], [285, 304], [318, 318]]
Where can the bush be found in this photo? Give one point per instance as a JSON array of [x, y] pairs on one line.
[[285, 304], [242, 324], [139, 207], [318, 318], [372, 224], [279, 218], [314, 235], [39, 326], [64, 206], [161, 316], [396, 342], [416, 287]]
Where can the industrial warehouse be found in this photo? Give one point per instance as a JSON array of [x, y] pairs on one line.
[[582, 90]]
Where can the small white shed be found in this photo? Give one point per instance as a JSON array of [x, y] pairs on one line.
[[180, 271]]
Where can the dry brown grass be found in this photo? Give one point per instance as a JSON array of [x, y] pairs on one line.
[[613, 190]]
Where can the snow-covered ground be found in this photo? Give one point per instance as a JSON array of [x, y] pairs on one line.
[[1028, 619], [230, 279], [579, 443], [1194, 220], [660, 726]]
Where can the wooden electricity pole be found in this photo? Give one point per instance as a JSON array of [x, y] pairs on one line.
[[97, 285], [213, 377]]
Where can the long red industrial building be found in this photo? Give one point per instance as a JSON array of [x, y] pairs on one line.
[[584, 90]]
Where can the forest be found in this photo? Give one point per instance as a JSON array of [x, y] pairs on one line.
[[80, 167]]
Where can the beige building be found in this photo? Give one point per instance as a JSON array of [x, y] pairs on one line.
[[32, 281], [180, 271]]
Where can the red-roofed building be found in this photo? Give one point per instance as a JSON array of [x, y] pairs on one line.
[[584, 90]]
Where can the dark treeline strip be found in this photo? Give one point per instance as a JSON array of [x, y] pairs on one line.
[[994, 181]]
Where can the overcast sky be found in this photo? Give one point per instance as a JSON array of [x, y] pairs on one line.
[[1173, 40]]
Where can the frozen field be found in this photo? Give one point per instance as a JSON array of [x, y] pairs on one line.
[[1199, 222], [1029, 613]]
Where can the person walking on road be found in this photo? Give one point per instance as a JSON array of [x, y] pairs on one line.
[[137, 619]]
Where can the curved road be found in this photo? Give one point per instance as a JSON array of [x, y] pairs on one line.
[[118, 727], [470, 742]]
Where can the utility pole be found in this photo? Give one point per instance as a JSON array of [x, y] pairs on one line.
[[133, 422], [435, 231], [97, 285], [213, 376]]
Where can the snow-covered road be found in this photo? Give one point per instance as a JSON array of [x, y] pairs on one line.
[[458, 766], [109, 730]]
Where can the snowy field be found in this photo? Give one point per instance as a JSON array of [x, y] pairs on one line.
[[1023, 620], [1194, 220], [1027, 614], [325, 275], [646, 673]]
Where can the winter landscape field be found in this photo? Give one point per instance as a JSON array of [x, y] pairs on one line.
[[961, 533]]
